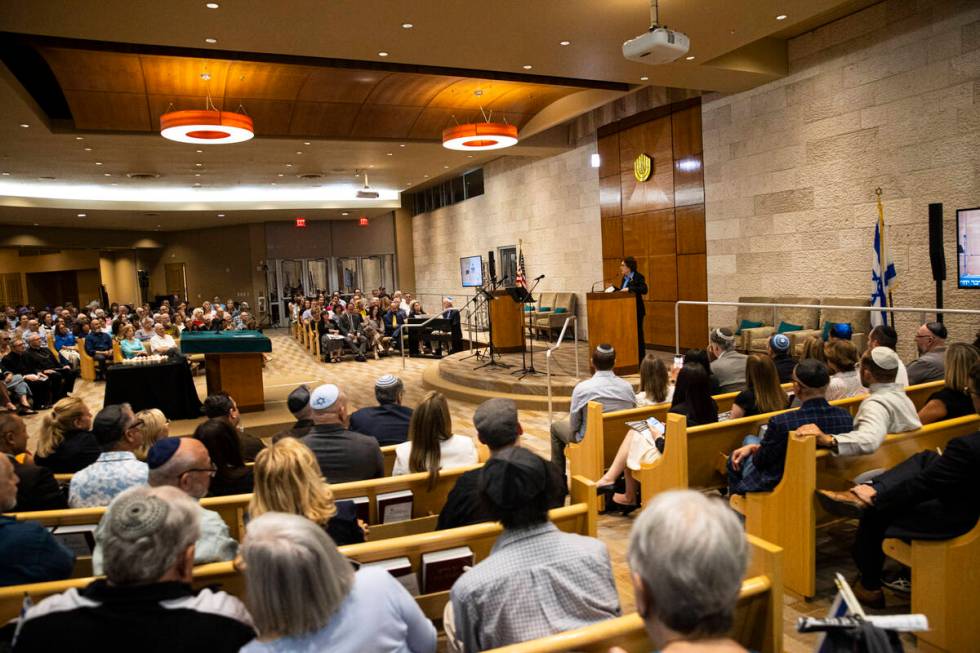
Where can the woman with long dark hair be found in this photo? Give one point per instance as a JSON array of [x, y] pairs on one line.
[[231, 476], [692, 396]]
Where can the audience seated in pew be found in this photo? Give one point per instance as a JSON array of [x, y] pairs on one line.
[[37, 489], [154, 426], [498, 427], [813, 347], [930, 341], [298, 403], [148, 537], [16, 362], [116, 429], [692, 395], [687, 555], [886, 410], [221, 404], [28, 551], [954, 399], [183, 463], [304, 595], [431, 443], [727, 365], [231, 475], [15, 392], [929, 496], [537, 581], [43, 361], [757, 466], [845, 380], [98, 345], [65, 441], [604, 387], [656, 386], [388, 421], [343, 455], [287, 479], [779, 347], [762, 393]]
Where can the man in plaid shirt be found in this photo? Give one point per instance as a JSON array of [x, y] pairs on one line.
[[758, 465]]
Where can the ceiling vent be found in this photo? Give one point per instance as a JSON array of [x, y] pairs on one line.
[[143, 175], [311, 175]]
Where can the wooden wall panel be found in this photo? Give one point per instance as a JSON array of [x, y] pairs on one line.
[[659, 221], [610, 271], [692, 277], [689, 225], [608, 148]]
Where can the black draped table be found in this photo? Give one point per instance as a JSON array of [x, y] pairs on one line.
[[167, 386]]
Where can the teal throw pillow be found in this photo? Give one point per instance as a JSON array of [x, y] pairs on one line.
[[747, 324], [544, 309], [786, 326], [560, 309]]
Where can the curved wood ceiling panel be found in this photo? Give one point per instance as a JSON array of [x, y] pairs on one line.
[[122, 91]]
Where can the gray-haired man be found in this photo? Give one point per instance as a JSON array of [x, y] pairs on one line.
[[388, 421], [728, 365]]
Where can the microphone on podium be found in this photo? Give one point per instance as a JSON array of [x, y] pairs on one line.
[[539, 278], [602, 281]]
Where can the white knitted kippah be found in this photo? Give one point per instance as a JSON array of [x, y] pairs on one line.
[[386, 381], [885, 358]]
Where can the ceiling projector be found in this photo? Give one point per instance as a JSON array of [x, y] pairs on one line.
[[659, 45]]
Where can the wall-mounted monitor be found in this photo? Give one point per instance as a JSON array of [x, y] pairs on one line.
[[471, 271], [968, 248]]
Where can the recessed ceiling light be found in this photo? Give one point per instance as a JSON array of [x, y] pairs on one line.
[[199, 151], [345, 213], [281, 175], [390, 154], [445, 167], [87, 149], [401, 145], [198, 165], [98, 163], [382, 54], [564, 43], [106, 174], [644, 78], [79, 138], [211, 5], [404, 26], [274, 184], [81, 215], [289, 165], [221, 215], [298, 152], [469, 156], [426, 176], [528, 66], [781, 17], [197, 174], [210, 40], [371, 166], [306, 142], [36, 224], [5, 174], [24, 125], [691, 58]]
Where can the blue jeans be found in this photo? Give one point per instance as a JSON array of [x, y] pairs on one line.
[[746, 470]]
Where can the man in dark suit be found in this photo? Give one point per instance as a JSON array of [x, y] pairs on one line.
[[388, 421], [298, 403], [37, 490], [927, 497], [42, 360], [41, 386], [634, 282], [349, 325], [343, 455]]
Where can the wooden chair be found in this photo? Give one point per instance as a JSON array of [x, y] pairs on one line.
[[117, 355], [945, 588], [86, 365], [758, 616], [788, 516], [581, 517]]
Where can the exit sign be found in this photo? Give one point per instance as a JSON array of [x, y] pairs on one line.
[[300, 222]]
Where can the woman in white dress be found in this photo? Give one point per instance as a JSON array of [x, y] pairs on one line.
[[431, 444], [639, 447]]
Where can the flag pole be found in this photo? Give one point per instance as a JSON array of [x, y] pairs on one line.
[[881, 254]]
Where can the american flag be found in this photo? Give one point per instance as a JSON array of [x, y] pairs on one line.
[[521, 278]]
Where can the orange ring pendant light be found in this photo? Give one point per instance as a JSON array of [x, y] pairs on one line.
[[206, 127], [477, 136]]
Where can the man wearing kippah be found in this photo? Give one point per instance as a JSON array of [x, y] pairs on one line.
[[343, 455], [886, 410], [779, 352], [388, 421], [298, 403], [930, 341], [727, 365], [604, 387]]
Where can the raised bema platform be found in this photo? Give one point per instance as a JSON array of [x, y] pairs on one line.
[[460, 376]]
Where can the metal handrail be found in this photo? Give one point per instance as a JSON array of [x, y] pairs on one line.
[[547, 357], [774, 306], [404, 329]]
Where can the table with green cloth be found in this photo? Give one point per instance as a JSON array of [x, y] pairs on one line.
[[233, 361]]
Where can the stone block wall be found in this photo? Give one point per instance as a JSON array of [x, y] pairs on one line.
[[552, 204], [887, 97]]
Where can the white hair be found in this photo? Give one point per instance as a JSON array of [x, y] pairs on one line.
[[145, 559], [296, 579], [691, 553]]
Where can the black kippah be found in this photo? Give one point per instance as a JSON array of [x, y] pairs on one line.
[[512, 477]]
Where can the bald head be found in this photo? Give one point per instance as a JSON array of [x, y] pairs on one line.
[[188, 469]]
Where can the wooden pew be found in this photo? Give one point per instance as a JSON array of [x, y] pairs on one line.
[[788, 515], [945, 588], [426, 505], [604, 432], [758, 617], [581, 517]]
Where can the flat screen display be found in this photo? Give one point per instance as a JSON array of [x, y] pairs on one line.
[[968, 247], [471, 271]]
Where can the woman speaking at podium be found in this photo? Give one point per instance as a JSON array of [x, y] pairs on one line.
[[634, 282]]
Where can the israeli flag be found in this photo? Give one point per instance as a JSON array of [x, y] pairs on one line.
[[880, 286]]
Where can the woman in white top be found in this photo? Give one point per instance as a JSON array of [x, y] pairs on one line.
[[845, 381], [431, 444], [638, 448]]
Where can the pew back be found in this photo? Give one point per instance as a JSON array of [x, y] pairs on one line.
[[757, 627]]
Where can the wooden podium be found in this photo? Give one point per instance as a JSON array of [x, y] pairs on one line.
[[507, 323], [612, 320]]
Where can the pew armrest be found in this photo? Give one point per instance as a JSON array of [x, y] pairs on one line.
[[898, 550]]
